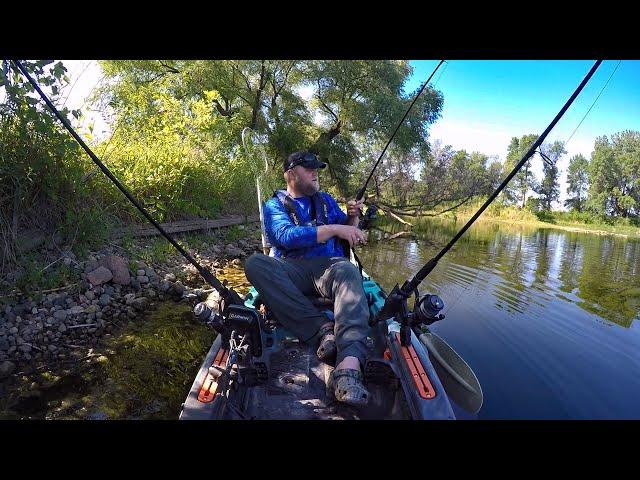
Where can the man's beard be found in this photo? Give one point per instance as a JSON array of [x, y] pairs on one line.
[[311, 188]]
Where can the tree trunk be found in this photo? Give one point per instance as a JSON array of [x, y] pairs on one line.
[[325, 138], [257, 104]]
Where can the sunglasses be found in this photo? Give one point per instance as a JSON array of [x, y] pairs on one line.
[[306, 160]]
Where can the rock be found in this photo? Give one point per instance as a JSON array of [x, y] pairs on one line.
[[66, 261], [62, 328], [4, 344], [135, 284], [142, 278], [108, 289], [13, 330], [90, 295], [91, 309], [140, 272], [233, 251], [91, 265], [104, 299], [99, 276], [118, 267], [98, 416], [178, 288], [60, 300], [170, 277], [77, 310], [21, 309], [140, 303], [129, 297], [52, 348], [7, 368], [165, 285], [60, 315], [25, 348]]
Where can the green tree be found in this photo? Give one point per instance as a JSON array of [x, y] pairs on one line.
[[524, 180], [40, 164], [364, 98], [577, 182], [614, 175], [549, 188]]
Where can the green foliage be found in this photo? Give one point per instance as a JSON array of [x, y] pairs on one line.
[[577, 182], [523, 181], [33, 275], [548, 188], [614, 175], [41, 166], [233, 234]]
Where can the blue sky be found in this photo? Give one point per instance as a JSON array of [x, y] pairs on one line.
[[488, 102]]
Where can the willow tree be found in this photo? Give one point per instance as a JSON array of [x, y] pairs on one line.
[[355, 99]]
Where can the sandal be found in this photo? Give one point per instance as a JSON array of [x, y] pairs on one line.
[[346, 384], [327, 350]]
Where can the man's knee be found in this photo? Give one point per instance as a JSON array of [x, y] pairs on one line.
[[346, 270], [256, 264]]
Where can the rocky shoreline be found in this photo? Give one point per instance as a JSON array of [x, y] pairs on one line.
[[112, 291]]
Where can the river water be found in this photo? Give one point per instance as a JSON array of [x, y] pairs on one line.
[[548, 319]]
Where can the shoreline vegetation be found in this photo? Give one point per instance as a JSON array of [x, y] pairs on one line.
[[515, 216]]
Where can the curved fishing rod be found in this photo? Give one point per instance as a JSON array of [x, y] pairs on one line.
[[361, 192], [228, 294], [409, 287]]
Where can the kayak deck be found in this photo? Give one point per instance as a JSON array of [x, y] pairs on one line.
[[296, 390]]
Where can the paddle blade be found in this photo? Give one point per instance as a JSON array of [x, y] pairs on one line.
[[457, 378]]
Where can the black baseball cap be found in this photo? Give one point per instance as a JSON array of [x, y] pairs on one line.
[[304, 158]]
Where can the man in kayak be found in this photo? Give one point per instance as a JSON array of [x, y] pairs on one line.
[[307, 228]]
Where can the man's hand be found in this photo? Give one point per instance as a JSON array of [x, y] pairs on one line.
[[351, 234], [354, 209]]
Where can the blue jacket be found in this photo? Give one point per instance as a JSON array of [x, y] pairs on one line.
[[292, 241]]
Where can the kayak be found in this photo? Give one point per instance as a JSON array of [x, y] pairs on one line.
[[284, 379]]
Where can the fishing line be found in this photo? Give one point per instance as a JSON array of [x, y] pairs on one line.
[[594, 102], [361, 192], [410, 285], [66, 98]]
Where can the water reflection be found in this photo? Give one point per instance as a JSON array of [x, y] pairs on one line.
[[547, 318]]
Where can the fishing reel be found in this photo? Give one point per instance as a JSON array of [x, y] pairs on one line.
[[236, 323], [426, 310]]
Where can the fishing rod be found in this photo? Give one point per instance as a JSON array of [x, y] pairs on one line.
[[396, 301], [361, 192], [228, 295]]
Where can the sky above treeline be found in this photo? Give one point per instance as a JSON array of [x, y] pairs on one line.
[[487, 102]]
